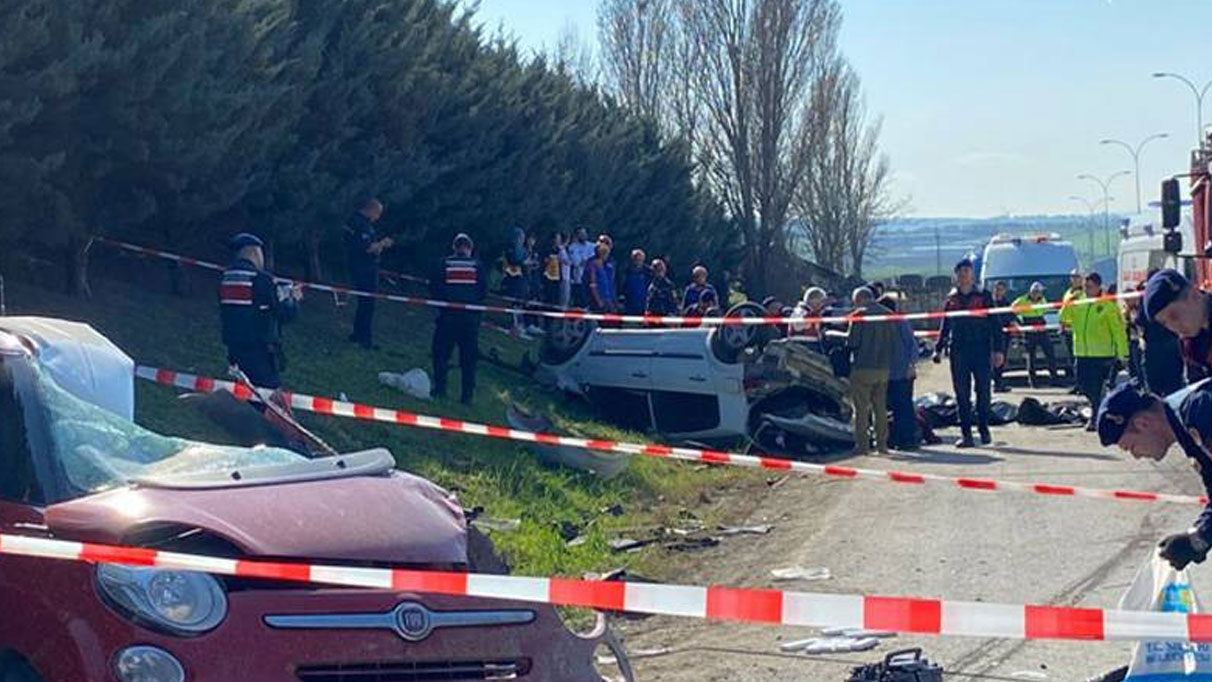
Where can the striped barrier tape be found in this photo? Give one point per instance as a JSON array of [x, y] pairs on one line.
[[731, 604], [329, 406], [1014, 330], [647, 320]]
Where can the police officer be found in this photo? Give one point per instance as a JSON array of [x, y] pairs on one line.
[[364, 247], [978, 344], [1000, 301], [252, 309], [1148, 426], [458, 278], [1185, 310]]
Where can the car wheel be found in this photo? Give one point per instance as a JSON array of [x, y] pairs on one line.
[[563, 339], [729, 340], [13, 669]]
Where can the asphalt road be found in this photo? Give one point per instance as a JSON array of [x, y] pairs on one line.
[[880, 538]]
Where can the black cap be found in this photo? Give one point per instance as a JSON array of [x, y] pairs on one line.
[[965, 263], [1163, 288], [1118, 409], [245, 239]]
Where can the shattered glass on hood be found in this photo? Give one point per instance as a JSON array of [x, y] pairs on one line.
[[99, 450]]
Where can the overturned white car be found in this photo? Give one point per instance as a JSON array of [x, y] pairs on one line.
[[705, 384]]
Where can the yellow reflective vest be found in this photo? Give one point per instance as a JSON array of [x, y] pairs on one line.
[[1032, 316], [1098, 330]]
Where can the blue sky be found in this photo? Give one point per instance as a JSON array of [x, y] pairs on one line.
[[993, 107]]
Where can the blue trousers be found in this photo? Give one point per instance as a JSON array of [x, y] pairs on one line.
[[904, 416]]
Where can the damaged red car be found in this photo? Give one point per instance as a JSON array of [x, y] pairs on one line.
[[75, 466]]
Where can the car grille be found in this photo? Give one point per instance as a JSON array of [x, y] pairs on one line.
[[416, 671]]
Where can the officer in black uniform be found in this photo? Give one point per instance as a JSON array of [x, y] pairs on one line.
[[458, 278], [364, 247], [1185, 310], [1148, 426], [252, 310], [978, 344]]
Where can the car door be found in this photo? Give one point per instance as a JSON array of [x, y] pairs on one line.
[[619, 358], [687, 385]]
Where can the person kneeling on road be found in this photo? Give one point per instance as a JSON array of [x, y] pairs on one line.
[[1148, 426], [459, 278]]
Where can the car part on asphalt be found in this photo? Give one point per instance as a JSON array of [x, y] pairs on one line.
[[899, 666]]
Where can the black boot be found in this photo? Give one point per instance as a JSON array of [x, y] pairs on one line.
[[965, 442], [986, 437]]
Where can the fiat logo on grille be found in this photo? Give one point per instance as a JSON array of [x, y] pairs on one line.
[[413, 622]]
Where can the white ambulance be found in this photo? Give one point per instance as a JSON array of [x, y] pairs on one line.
[[1143, 248], [1018, 262]]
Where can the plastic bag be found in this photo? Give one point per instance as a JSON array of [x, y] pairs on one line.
[[414, 382], [1158, 587]]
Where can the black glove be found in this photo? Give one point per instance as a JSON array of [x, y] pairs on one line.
[[1181, 549]]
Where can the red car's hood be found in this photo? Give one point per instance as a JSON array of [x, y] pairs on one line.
[[396, 518]]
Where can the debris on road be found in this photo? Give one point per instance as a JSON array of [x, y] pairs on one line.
[[802, 573], [899, 666], [761, 529], [857, 632]]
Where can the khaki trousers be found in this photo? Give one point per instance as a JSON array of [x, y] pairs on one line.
[[869, 393]]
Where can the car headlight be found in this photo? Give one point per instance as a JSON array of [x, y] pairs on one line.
[[177, 602]]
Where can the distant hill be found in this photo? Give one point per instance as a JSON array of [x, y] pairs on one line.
[[930, 246]]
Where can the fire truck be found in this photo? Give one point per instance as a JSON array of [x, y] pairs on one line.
[[1200, 181]]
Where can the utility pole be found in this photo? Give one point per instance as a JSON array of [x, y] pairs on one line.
[[938, 252], [1135, 152], [1105, 185]]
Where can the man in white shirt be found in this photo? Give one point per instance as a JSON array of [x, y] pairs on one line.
[[580, 252]]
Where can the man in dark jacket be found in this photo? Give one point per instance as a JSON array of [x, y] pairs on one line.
[[1184, 310], [901, 375], [636, 280], [458, 278], [1000, 301], [252, 310], [978, 344], [662, 297], [1147, 426], [363, 248]]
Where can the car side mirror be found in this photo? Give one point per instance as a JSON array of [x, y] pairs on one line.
[[1171, 203]]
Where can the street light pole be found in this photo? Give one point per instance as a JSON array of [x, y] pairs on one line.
[[1135, 152], [1091, 207], [1199, 101], [1106, 187]]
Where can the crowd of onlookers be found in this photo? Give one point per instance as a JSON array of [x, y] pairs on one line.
[[570, 271]]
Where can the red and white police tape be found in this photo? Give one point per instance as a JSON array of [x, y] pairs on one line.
[[616, 319], [351, 410], [1013, 330], [742, 605]]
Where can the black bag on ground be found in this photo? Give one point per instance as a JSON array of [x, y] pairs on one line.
[[940, 408], [899, 666]]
